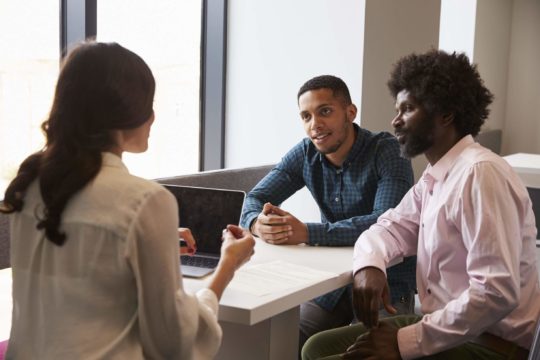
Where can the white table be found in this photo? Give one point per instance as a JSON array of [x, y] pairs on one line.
[[254, 327], [527, 166], [266, 327]]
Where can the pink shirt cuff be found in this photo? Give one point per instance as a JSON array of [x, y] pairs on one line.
[[365, 260], [408, 343]]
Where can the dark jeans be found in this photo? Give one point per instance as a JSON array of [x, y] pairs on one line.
[[314, 319]]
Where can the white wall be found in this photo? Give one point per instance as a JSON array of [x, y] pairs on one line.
[[458, 19], [392, 32], [506, 48], [491, 54], [522, 122], [481, 29], [274, 46]]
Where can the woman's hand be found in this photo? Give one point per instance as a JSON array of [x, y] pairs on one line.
[[237, 247], [187, 242]]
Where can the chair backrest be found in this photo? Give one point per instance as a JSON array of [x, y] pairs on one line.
[[231, 179], [4, 241], [534, 353], [491, 139]]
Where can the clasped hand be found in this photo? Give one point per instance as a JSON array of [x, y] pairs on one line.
[[276, 226], [379, 344]]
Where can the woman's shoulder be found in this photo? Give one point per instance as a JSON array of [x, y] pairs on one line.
[[126, 185]]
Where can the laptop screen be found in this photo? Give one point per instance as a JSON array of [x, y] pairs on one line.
[[206, 212]]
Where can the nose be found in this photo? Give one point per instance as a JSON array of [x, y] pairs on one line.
[[397, 121], [316, 122]]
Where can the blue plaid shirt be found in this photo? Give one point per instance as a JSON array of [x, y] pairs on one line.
[[373, 178]]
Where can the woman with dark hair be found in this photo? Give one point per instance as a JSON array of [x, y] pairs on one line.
[[94, 250]]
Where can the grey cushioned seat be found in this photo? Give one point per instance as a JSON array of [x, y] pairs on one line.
[[232, 179]]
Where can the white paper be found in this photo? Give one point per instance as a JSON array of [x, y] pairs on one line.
[[275, 276]]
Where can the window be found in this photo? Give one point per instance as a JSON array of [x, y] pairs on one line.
[[167, 35], [29, 39]]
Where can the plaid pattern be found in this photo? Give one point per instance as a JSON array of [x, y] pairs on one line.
[[373, 178]]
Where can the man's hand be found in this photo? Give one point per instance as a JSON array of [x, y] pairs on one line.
[[276, 226], [369, 288], [379, 344]]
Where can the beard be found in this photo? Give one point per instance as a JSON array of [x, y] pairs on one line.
[[419, 139]]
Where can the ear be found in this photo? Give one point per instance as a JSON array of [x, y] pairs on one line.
[[447, 120], [351, 112]]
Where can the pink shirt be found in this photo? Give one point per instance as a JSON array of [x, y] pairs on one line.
[[469, 220]]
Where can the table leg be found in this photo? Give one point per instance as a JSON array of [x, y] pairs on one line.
[[272, 339]]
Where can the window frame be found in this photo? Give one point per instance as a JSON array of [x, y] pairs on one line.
[[78, 21], [213, 84]]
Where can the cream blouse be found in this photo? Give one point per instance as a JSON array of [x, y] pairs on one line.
[[114, 289]]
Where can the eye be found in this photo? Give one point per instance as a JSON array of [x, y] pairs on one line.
[[305, 117], [408, 108], [325, 111]]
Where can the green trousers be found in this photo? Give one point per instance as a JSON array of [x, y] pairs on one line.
[[328, 345]]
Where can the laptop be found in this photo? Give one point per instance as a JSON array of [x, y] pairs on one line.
[[206, 212]]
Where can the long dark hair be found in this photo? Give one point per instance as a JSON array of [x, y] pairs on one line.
[[101, 87]]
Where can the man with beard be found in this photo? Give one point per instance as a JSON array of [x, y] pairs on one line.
[[469, 220], [353, 174]]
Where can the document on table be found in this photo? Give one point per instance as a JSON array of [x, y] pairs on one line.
[[275, 276]]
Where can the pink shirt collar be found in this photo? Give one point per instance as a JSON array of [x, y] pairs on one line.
[[440, 169]]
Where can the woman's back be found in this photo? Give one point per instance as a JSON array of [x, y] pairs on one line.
[[87, 288]]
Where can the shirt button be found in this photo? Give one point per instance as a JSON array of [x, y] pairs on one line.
[[430, 192], [422, 224], [336, 199], [429, 291]]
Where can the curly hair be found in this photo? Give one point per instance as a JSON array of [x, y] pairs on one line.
[[444, 84], [338, 87], [101, 87]]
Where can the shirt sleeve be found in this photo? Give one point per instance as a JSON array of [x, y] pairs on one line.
[[277, 186], [488, 215], [172, 323], [395, 178], [394, 235]]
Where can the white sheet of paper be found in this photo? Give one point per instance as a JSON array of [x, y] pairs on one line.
[[275, 276]]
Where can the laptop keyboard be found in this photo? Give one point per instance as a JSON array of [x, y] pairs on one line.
[[204, 262]]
